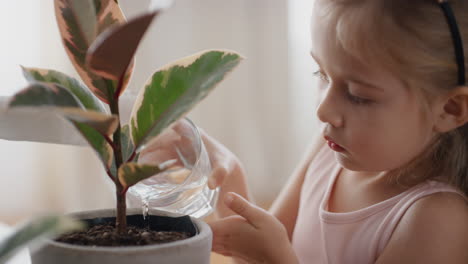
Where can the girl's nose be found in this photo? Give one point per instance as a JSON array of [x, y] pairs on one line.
[[328, 110]]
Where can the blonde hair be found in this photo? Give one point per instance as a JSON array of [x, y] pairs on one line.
[[410, 38]]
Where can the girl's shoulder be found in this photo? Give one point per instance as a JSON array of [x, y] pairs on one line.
[[439, 209], [433, 230]]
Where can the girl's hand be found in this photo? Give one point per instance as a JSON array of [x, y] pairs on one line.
[[253, 235], [223, 162]]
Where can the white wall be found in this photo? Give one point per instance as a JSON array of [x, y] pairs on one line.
[[17, 159]]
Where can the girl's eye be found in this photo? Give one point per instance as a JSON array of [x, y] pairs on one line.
[[358, 100], [321, 75], [352, 98]]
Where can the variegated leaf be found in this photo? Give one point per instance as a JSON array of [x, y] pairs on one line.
[[89, 101], [45, 226], [62, 101], [127, 143], [131, 173], [42, 94], [172, 91], [94, 126], [104, 124], [85, 14], [108, 13], [113, 50], [98, 142]]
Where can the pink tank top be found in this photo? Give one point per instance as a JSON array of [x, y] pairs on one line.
[[353, 237]]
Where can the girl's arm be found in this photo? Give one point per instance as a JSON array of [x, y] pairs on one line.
[[286, 206]]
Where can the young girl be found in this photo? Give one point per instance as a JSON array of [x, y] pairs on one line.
[[386, 182]]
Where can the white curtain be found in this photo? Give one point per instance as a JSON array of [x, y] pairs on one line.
[[263, 111]]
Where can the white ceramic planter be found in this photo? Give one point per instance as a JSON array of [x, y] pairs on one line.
[[194, 250]]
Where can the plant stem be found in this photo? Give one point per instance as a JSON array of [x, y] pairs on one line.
[[121, 218], [120, 192], [132, 156]]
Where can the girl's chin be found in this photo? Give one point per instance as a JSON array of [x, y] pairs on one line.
[[349, 163]]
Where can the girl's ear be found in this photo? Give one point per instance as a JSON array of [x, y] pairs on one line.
[[453, 110]]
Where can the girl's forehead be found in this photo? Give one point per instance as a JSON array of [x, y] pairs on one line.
[[335, 61], [341, 34], [325, 41], [333, 58], [350, 53]]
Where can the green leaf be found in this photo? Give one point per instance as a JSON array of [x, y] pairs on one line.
[[127, 143], [95, 135], [107, 21], [131, 173], [98, 142], [70, 22], [85, 14], [93, 126], [43, 227], [97, 5], [96, 129], [56, 98], [44, 94], [113, 51], [113, 169], [102, 123], [172, 91], [89, 101]]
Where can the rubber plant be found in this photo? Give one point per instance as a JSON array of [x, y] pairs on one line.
[[101, 45]]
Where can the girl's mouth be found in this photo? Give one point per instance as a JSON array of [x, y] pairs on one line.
[[333, 145]]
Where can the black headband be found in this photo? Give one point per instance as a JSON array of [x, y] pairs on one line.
[[457, 40]]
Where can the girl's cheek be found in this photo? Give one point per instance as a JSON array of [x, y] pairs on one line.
[[365, 138]]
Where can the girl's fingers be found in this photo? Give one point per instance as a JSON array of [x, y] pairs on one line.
[[222, 163], [253, 214], [219, 228], [217, 177], [228, 235]]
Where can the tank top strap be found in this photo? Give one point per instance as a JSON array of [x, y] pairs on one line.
[[390, 222]]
